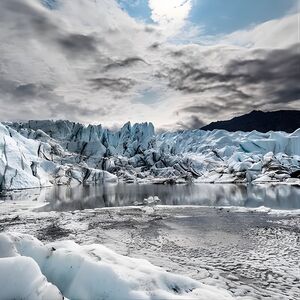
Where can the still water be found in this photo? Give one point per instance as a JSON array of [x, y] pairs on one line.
[[63, 198]]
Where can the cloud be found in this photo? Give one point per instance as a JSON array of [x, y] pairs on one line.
[[171, 15], [76, 44], [192, 122], [278, 33], [270, 78], [198, 108], [277, 74], [89, 61], [220, 82], [42, 102], [125, 63], [53, 59], [113, 84], [19, 92]]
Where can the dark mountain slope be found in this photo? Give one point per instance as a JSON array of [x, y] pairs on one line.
[[282, 120]]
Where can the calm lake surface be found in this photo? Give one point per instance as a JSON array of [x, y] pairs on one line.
[[63, 198]]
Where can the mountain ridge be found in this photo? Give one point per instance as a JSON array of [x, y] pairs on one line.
[[280, 120]]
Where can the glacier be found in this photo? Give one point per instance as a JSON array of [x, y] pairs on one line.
[[45, 152]]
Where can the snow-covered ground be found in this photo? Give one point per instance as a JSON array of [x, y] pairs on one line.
[[42, 153], [227, 252]]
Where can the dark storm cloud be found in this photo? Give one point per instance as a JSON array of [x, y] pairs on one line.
[[35, 23], [196, 109], [32, 90], [26, 18], [276, 76], [74, 110], [216, 105], [42, 100], [210, 81], [128, 62], [177, 53], [276, 64], [272, 81], [154, 46], [192, 122], [292, 94], [78, 44], [113, 84], [19, 92]]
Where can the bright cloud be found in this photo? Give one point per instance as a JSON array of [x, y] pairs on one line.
[[278, 33], [170, 14]]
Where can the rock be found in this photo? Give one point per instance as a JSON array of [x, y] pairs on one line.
[[295, 174]]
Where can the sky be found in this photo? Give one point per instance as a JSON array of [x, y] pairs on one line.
[[177, 63]]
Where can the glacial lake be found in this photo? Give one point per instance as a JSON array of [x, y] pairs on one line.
[[64, 198]]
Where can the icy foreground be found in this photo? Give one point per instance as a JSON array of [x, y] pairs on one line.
[[87, 272], [252, 255], [42, 153]]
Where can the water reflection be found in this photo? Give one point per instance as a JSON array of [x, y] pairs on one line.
[[63, 198]]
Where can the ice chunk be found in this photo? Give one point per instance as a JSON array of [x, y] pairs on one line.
[[21, 278]]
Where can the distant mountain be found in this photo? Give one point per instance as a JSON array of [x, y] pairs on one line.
[[281, 120]]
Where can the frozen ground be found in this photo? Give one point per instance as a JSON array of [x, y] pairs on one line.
[[252, 253]]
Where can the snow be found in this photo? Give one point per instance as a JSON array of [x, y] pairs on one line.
[[42, 153], [87, 272]]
